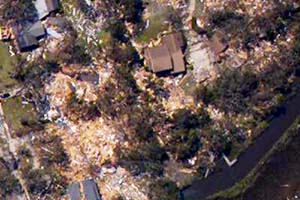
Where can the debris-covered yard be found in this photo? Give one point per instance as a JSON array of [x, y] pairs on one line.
[[91, 105]]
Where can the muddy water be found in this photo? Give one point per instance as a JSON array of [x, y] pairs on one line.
[[281, 177], [229, 176]]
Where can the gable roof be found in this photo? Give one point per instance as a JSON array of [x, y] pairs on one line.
[[174, 43], [168, 56], [159, 58], [178, 62]]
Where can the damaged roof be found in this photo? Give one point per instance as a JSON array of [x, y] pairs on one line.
[[28, 38]]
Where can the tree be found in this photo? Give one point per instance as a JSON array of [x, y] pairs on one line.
[[8, 183], [186, 119], [184, 137], [231, 90], [184, 143], [36, 181], [163, 189], [54, 153]]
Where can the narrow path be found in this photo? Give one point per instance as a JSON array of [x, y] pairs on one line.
[[228, 176]]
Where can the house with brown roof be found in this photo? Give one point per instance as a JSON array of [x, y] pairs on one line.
[[168, 56], [159, 58]]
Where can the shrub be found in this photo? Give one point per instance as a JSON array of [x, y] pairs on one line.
[[163, 190]]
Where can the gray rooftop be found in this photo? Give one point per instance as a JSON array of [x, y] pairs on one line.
[[74, 191], [28, 37], [44, 7], [90, 190], [26, 41], [37, 29]]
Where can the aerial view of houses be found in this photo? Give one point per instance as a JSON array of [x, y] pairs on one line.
[[149, 99]]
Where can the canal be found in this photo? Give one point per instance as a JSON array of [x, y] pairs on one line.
[[228, 176], [280, 177]]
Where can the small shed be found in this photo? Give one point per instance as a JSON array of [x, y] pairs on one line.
[[89, 77]]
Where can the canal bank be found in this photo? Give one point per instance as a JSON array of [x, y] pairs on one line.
[[229, 176], [280, 177]]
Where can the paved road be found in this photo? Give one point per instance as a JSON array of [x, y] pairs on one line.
[[229, 176]]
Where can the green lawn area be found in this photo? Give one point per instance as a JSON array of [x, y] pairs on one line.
[[19, 117], [156, 25], [7, 66]]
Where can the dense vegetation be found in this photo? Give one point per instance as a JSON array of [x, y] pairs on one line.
[[9, 183]]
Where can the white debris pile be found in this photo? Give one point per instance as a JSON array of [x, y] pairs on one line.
[[59, 90], [215, 114], [122, 183], [89, 143], [178, 100], [86, 91]]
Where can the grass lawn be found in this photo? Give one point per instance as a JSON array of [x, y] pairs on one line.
[[19, 117], [7, 66], [157, 24]]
